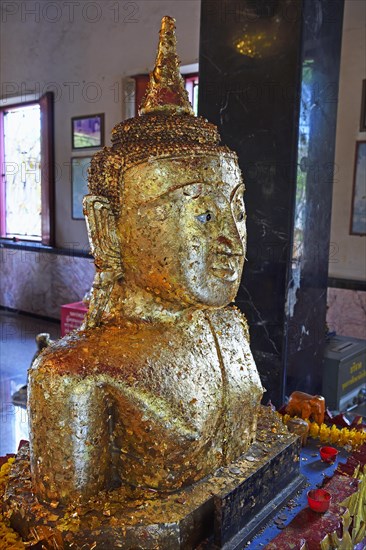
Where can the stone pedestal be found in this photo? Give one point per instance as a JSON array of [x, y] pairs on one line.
[[222, 511]]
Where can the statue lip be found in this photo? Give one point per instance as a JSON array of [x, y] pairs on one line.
[[227, 269]]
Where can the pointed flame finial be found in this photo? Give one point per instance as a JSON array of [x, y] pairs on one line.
[[165, 92]]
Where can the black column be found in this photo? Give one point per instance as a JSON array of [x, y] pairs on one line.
[[269, 73]]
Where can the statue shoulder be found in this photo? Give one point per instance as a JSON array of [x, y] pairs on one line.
[[63, 356], [113, 350]]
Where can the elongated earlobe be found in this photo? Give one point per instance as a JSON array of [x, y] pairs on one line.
[[102, 232], [105, 248]]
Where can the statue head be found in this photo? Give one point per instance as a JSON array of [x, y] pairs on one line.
[[166, 212]]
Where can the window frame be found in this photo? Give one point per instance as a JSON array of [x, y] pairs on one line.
[[142, 80], [46, 104], [190, 78]]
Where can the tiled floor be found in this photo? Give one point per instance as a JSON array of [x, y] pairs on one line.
[[17, 347]]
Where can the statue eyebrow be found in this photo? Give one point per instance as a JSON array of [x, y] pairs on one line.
[[199, 185], [189, 184], [174, 188]]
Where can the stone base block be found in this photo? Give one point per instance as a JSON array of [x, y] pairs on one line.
[[221, 511]]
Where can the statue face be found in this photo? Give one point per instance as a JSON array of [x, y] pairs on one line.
[[186, 246]]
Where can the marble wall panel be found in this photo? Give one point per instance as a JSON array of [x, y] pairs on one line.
[[347, 312], [40, 282]]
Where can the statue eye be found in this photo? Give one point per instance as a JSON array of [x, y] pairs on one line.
[[241, 216], [206, 217]]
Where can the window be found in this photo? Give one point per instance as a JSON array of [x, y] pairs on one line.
[[26, 191], [191, 85], [141, 82]]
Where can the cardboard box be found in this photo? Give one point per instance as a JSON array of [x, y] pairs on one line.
[[72, 316]]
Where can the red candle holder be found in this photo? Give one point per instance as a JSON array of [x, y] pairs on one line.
[[328, 454], [319, 500]]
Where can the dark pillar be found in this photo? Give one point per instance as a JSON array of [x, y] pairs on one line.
[[269, 73]]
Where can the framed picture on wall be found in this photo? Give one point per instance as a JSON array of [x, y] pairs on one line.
[[87, 131], [363, 108], [79, 185], [358, 216]]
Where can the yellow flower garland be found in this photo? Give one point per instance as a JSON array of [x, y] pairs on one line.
[[334, 435], [9, 539]]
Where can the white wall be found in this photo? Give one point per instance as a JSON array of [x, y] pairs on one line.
[[58, 47], [348, 252], [61, 48]]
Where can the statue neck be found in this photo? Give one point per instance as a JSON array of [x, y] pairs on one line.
[[139, 304]]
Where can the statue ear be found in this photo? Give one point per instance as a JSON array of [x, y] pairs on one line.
[[101, 224]]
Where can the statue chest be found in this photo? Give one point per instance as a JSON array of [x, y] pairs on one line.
[[193, 396]]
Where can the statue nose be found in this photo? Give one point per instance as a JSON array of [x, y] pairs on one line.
[[231, 243], [224, 241]]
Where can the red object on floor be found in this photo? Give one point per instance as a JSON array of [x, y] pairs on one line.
[[72, 316], [328, 454], [309, 527], [319, 500]]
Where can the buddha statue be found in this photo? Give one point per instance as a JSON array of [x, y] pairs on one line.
[[158, 389]]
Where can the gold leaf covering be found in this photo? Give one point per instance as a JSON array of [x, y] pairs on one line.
[[159, 388], [165, 91]]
